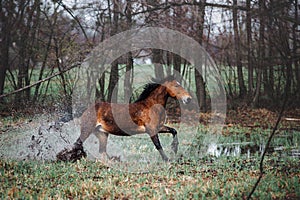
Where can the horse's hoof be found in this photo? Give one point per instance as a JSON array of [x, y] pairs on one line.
[[71, 154], [166, 159]]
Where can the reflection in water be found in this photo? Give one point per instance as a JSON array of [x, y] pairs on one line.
[[249, 149]]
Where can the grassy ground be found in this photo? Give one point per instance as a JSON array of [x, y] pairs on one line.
[[203, 177], [222, 179]]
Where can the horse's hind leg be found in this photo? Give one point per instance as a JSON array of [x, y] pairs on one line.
[[85, 131], [167, 129], [76, 151], [87, 125], [102, 137]]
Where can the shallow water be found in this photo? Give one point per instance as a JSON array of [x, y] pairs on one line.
[[43, 139], [287, 145]]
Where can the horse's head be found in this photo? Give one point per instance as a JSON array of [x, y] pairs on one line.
[[175, 90]]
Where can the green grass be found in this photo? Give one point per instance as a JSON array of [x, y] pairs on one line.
[[53, 90], [87, 179], [204, 177]]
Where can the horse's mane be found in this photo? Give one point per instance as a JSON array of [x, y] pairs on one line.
[[150, 87]]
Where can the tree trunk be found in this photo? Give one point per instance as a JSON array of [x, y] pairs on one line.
[[4, 47], [177, 63], [249, 50], [241, 82], [45, 58], [100, 96], [113, 83], [157, 59], [129, 63], [296, 47], [271, 54], [114, 72], [128, 78], [199, 80], [261, 53], [200, 91], [22, 69]]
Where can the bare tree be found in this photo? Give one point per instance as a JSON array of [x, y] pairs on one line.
[[114, 71], [258, 42], [261, 53], [199, 80], [237, 45], [249, 47], [6, 21], [296, 35], [129, 62]]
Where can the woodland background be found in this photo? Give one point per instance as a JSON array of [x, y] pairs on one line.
[[255, 44]]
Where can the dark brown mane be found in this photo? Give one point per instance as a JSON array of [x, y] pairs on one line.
[[150, 87]]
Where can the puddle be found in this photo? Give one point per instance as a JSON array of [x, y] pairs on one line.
[[287, 145], [43, 141], [37, 141]]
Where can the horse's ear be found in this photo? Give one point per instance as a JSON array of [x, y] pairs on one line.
[[168, 78], [155, 80]]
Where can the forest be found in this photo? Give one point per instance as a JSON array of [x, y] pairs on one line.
[[251, 46], [255, 45]]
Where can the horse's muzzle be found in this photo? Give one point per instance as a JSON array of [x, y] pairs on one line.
[[186, 99]]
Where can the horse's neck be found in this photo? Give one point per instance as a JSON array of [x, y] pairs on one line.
[[158, 96]]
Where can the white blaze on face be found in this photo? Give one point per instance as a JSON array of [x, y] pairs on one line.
[[186, 99]]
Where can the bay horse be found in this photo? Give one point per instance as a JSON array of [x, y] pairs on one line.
[[145, 115]]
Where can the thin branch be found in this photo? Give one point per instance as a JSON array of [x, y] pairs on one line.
[[40, 81], [166, 6], [261, 165], [75, 18]]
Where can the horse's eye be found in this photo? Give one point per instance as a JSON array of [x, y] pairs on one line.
[[177, 84]]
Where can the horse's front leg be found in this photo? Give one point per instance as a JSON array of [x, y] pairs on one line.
[[167, 129], [158, 146]]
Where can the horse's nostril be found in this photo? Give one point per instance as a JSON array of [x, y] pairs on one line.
[[188, 100]]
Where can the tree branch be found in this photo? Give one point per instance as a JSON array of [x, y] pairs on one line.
[[75, 18], [40, 81], [261, 165], [164, 6]]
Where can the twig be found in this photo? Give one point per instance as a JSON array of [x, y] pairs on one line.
[[261, 165], [75, 18], [291, 119], [40, 81]]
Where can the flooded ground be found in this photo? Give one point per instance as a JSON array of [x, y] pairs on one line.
[[284, 143], [249, 149], [42, 139]]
